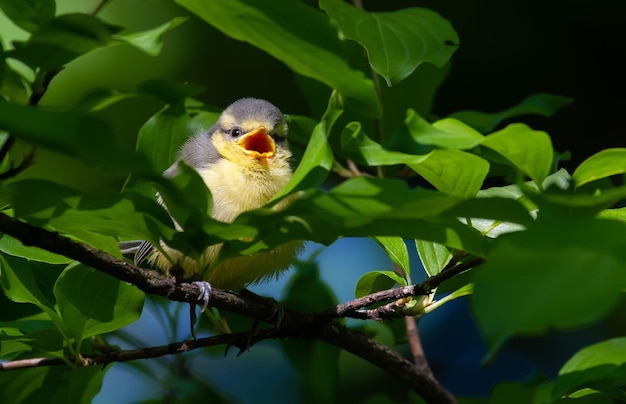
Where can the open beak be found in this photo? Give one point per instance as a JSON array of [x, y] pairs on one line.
[[257, 143]]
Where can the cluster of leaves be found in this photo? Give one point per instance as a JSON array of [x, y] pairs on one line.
[[552, 241]]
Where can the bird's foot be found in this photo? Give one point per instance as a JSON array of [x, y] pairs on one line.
[[205, 295]]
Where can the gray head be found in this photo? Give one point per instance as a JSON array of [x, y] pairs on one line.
[[250, 126]]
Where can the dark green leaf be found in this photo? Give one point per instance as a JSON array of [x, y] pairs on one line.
[[92, 303], [61, 40], [84, 137], [24, 281], [598, 365], [162, 135], [375, 281], [99, 219], [532, 279], [52, 384], [296, 34], [396, 42], [601, 165], [13, 87], [29, 14], [528, 150], [540, 104], [150, 41]]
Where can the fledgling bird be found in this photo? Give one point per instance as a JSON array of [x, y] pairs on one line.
[[244, 161]]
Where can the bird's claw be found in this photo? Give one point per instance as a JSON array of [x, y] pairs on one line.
[[205, 294]]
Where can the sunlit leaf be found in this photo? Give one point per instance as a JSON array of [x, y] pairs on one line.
[[434, 256], [296, 34], [447, 133], [597, 365], [397, 251], [375, 281], [396, 42], [11, 246], [454, 172], [318, 156], [601, 165], [359, 207], [92, 302], [538, 104], [528, 150]]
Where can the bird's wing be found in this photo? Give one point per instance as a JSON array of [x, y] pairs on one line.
[[198, 152], [143, 252]]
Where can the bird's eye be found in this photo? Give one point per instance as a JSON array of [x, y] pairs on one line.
[[235, 132]]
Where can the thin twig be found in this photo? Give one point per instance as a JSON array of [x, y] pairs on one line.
[[354, 308]]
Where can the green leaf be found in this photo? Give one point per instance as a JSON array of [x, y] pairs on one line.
[[318, 158], [92, 303], [296, 34], [358, 207], [150, 41], [601, 165], [397, 251], [61, 40], [396, 42], [162, 135], [14, 247], [454, 172], [51, 384], [532, 280], [434, 256], [24, 281], [599, 366], [29, 14], [13, 87], [536, 104], [447, 133], [375, 281], [528, 150], [556, 203], [84, 137]]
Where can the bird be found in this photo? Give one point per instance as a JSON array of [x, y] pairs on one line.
[[244, 160]]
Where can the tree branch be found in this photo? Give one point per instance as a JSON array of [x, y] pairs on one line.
[[293, 324]]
